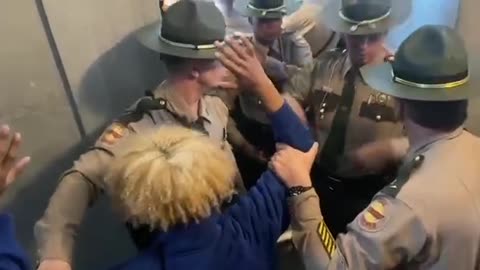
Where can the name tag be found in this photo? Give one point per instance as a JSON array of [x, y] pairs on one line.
[[377, 112]]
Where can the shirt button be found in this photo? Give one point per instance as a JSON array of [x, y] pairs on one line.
[[162, 102], [378, 117], [322, 110], [324, 105], [259, 102]]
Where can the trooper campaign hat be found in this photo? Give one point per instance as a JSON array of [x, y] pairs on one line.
[[363, 17], [430, 65], [188, 29], [272, 9]]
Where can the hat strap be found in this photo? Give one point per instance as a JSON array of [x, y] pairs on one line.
[[426, 85], [282, 9], [370, 23], [186, 45]]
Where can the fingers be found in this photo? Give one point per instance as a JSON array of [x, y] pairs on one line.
[[235, 45], [235, 69], [17, 170], [4, 141], [11, 155], [228, 85], [313, 150], [250, 48], [229, 53]]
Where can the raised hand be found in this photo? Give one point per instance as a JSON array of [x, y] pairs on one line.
[[239, 55], [10, 166]]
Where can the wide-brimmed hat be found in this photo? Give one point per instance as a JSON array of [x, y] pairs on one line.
[[188, 29], [430, 65], [266, 8], [363, 17]]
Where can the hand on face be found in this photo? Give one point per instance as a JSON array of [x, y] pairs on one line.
[[293, 166], [10, 166], [239, 55]]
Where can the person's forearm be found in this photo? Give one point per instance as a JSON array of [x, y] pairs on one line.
[[305, 219], [289, 129], [270, 96], [55, 232]]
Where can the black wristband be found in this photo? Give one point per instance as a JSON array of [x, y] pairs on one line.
[[295, 191]]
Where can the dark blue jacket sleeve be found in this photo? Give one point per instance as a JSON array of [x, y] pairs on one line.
[[12, 257], [261, 215]]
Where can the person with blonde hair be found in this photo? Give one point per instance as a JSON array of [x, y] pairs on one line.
[[175, 180], [193, 171]]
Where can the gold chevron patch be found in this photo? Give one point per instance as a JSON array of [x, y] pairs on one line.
[[326, 238]]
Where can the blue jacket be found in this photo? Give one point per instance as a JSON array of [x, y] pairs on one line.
[[244, 237], [12, 257]]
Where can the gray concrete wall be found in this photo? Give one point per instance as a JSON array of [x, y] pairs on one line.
[[67, 68], [468, 27]]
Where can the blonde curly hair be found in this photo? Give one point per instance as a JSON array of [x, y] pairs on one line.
[[172, 176]]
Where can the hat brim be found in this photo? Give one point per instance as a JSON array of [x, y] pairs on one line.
[[399, 13], [242, 7], [148, 36], [379, 77]]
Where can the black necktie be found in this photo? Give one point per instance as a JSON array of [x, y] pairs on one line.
[[334, 145]]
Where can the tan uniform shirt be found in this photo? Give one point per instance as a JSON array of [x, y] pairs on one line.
[[292, 49], [431, 223], [81, 185], [318, 88]]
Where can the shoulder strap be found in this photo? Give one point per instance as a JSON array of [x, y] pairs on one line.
[[144, 106], [403, 175]]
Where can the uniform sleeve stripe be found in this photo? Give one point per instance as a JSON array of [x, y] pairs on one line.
[[326, 238]]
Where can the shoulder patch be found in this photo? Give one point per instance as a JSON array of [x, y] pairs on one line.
[[327, 239], [113, 133], [375, 217]]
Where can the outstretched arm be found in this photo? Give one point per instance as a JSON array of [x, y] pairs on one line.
[[261, 216], [386, 234]]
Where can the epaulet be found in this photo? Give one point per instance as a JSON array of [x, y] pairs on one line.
[[143, 107], [403, 175]]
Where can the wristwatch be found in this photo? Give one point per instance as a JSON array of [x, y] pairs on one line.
[[297, 190]]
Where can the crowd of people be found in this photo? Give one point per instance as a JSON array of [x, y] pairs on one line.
[[355, 155]]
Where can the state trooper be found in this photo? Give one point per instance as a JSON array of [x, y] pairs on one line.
[[249, 129], [188, 51], [266, 18], [428, 217], [361, 140]]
